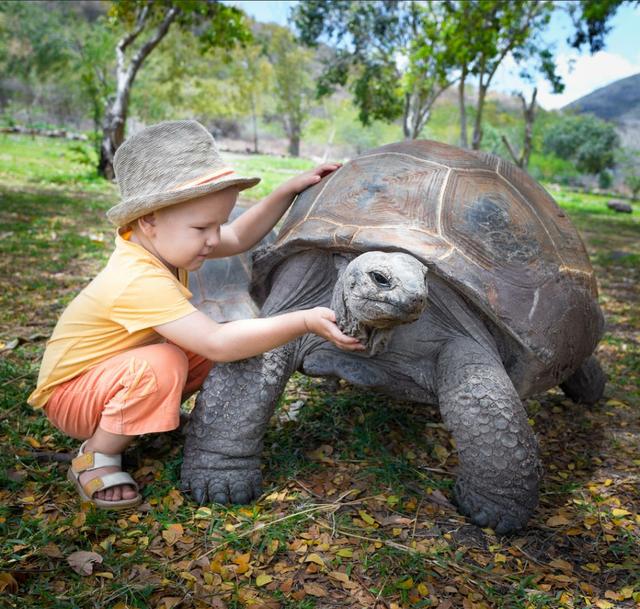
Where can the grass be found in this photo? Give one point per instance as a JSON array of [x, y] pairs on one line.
[[356, 506]]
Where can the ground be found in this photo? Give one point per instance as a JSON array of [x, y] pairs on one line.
[[356, 510]]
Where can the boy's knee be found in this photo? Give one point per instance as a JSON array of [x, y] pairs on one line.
[[170, 366]]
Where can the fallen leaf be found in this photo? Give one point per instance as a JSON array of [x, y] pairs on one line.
[[558, 521], [7, 582], [316, 558], [263, 580], [314, 589], [172, 533], [405, 584], [82, 562], [105, 574], [341, 577]]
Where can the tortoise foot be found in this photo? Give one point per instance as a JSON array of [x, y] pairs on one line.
[[586, 384], [502, 514], [222, 486]]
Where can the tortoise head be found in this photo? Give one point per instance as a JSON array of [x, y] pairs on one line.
[[376, 292]]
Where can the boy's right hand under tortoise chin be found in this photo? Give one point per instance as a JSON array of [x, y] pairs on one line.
[[131, 347]]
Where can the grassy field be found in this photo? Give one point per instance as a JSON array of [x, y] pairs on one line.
[[357, 508]]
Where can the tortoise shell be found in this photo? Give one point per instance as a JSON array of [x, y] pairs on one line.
[[477, 221], [220, 287]]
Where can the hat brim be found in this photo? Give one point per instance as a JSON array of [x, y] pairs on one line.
[[127, 211]]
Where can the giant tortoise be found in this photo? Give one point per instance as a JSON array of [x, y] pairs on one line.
[[471, 290]]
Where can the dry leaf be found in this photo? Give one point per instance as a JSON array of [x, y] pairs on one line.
[[558, 521], [314, 589], [263, 580], [316, 558], [169, 602], [341, 577], [7, 582], [82, 562], [172, 533]]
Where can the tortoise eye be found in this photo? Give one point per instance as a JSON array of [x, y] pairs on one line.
[[380, 279]]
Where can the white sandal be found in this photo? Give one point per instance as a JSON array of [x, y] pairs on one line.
[[88, 461]]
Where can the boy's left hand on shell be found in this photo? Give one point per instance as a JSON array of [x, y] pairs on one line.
[[313, 176]]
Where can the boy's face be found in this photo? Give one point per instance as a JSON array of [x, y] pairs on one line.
[[185, 235]]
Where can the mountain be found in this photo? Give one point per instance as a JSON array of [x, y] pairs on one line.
[[619, 103]]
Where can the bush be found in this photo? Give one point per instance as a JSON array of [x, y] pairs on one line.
[[585, 139]]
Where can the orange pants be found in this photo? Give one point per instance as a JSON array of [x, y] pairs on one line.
[[136, 392]]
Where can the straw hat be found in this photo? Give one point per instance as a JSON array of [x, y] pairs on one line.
[[166, 164]]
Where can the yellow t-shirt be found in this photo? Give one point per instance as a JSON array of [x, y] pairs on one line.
[[114, 313]]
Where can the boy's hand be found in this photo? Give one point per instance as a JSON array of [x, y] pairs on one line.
[[322, 321], [309, 178]]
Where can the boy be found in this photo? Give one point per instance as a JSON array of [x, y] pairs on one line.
[[131, 347]]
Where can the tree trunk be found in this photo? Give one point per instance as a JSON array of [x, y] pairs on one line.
[[406, 116], [115, 116], [529, 119], [464, 138], [115, 119], [254, 121], [477, 127], [294, 142], [529, 113]]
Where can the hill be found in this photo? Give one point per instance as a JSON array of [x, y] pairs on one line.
[[619, 103]]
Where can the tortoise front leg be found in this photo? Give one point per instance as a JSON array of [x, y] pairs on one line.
[[499, 474], [224, 436]]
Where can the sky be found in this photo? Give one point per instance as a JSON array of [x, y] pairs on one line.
[[581, 72]]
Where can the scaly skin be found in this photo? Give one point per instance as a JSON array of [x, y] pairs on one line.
[[224, 437], [499, 474], [586, 384]]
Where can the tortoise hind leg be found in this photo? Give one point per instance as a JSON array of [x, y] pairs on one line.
[[586, 384]]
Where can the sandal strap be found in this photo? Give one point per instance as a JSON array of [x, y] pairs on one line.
[[108, 481], [87, 461]]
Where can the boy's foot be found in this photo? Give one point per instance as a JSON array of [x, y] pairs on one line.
[[115, 493], [99, 479]]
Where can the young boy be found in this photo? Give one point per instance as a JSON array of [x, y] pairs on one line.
[[131, 347]]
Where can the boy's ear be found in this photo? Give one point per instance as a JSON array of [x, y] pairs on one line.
[[147, 224]]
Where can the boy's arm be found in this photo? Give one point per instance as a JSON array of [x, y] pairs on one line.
[[245, 338], [254, 224]]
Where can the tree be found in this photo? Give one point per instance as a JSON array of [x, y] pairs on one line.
[[628, 162], [488, 32], [145, 24], [393, 55], [590, 142], [252, 75], [592, 21], [293, 82], [34, 49], [546, 66], [528, 111]]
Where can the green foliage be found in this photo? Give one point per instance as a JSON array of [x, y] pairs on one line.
[[369, 37], [628, 161], [293, 83], [550, 168], [592, 21], [587, 140], [216, 24], [61, 60]]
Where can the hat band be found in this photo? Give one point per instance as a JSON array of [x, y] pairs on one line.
[[204, 179]]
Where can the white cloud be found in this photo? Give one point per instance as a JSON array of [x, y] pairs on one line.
[[582, 74]]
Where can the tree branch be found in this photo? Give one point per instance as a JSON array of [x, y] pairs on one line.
[[510, 149], [141, 20], [146, 48]]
